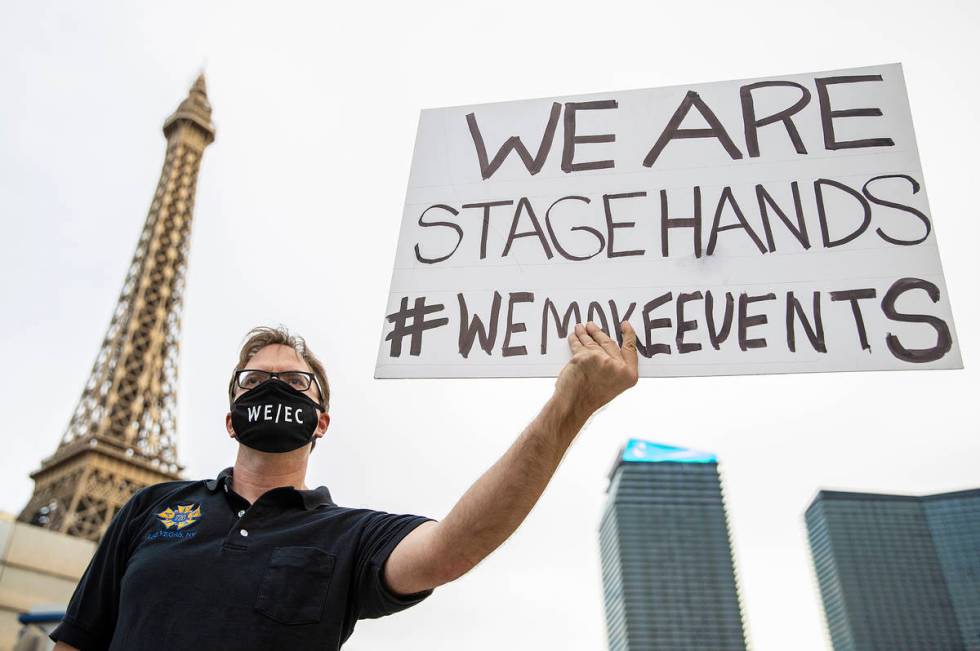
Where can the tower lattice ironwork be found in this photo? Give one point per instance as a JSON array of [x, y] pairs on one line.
[[122, 435]]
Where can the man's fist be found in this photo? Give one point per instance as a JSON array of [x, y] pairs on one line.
[[599, 370]]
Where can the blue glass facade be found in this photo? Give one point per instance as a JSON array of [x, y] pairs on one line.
[[954, 522]]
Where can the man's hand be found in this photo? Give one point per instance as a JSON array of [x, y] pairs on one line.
[[599, 370], [438, 552]]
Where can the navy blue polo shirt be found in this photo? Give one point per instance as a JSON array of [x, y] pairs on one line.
[[193, 565]]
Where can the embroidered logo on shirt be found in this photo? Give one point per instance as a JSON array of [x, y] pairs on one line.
[[184, 516]]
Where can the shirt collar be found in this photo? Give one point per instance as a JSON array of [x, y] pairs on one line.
[[311, 499]]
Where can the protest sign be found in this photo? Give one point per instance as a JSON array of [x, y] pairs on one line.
[[775, 225]]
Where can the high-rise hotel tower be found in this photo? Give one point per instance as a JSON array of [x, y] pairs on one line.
[[898, 572], [667, 570]]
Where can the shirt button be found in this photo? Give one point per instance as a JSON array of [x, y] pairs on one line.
[[241, 513], [243, 532]]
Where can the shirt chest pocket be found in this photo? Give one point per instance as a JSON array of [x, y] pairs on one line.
[[294, 587]]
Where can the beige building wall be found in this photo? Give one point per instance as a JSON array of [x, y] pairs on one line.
[[38, 569]]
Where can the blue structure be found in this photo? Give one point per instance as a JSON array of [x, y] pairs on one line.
[[646, 451], [45, 617], [667, 570]]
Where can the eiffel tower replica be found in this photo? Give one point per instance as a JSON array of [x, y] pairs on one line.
[[122, 435]]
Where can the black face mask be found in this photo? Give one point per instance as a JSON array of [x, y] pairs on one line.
[[274, 417]]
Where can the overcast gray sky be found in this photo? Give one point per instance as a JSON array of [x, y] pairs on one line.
[[316, 109]]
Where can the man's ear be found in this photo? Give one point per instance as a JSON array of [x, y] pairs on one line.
[[322, 423], [231, 430]]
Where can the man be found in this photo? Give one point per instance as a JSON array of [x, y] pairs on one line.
[[255, 560]]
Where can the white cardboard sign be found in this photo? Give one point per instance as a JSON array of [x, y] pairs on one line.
[[775, 225]]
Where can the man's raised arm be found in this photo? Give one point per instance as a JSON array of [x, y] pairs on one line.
[[496, 504]]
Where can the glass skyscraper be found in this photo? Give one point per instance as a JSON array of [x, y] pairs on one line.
[[898, 572], [667, 570]]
